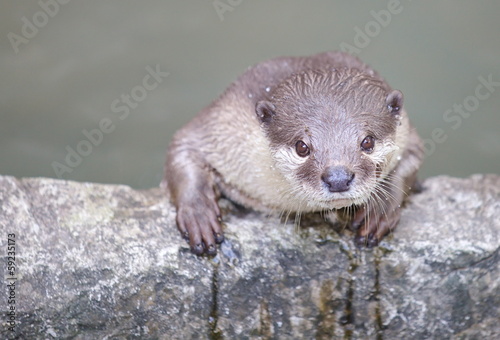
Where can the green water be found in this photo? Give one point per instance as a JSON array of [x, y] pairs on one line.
[[79, 99]]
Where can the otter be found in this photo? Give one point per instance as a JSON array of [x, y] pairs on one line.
[[323, 133]]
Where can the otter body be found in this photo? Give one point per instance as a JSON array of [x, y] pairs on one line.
[[297, 134]]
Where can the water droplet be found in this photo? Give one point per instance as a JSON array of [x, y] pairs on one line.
[[268, 89], [250, 95], [398, 158]]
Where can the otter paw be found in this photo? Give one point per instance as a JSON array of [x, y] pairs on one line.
[[372, 225], [201, 227]]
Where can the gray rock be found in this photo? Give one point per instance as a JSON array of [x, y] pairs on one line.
[[105, 262]]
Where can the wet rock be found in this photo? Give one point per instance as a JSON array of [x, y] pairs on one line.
[[105, 261]]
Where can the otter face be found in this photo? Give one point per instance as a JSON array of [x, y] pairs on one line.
[[332, 135]]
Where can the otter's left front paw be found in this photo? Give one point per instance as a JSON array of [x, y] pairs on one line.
[[372, 225]]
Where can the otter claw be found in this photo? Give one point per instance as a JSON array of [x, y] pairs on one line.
[[219, 238], [368, 241], [198, 249], [211, 250]]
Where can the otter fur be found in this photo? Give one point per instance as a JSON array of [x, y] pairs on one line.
[[295, 135]]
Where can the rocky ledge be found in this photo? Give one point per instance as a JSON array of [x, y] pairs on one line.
[[106, 261]]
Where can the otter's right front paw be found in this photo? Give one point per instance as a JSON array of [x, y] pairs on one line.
[[200, 224]]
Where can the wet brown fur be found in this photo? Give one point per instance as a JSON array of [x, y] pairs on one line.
[[242, 146]]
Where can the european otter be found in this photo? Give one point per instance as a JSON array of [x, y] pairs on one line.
[[296, 134]]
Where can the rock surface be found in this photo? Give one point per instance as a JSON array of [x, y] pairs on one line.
[[106, 262]]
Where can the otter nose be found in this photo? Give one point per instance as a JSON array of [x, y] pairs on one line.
[[337, 178]]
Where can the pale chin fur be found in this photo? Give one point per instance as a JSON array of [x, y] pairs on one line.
[[301, 197], [307, 198]]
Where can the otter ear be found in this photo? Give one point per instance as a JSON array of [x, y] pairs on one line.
[[394, 101], [265, 111]]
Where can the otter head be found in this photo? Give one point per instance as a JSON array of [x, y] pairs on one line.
[[332, 135]]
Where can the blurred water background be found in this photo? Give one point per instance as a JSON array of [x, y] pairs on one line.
[[70, 69]]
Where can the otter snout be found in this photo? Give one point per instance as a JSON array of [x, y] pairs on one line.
[[337, 178]]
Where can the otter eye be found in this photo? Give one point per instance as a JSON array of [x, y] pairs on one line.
[[302, 149], [368, 144]]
